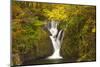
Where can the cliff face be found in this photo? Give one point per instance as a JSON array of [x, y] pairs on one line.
[[30, 49], [42, 48], [79, 43]]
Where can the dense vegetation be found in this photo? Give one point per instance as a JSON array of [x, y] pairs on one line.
[[30, 38]]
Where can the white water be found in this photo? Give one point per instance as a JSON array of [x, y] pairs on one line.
[[55, 38]]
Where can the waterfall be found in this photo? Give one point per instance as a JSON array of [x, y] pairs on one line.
[[56, 38]]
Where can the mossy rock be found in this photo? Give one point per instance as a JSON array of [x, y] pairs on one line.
[[39, 48], [79, 43], [69, 48]]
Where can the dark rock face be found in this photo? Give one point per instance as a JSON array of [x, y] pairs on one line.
[[79, 42], [36, 49], [70, 47], [44, 46]]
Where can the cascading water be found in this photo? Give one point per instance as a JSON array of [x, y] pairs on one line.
[[56, 39]]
